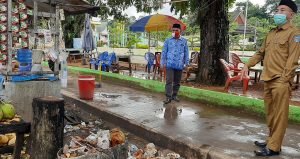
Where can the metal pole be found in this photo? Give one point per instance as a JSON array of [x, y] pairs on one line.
[[255, 34], [149, 41], [56, 39], [156, 38], [9, 36], [245, 27], [108, 40], [35, 17], [83, 62]]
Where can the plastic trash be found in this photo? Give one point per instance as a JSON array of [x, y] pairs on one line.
[[150, 151], [103, 139]]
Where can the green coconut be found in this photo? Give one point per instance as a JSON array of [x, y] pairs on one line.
[[8, 111]]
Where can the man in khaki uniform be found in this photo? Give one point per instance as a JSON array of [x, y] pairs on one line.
[[280, 51]]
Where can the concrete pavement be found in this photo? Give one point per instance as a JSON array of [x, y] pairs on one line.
[[192, 129]]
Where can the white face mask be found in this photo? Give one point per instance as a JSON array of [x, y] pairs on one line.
[[173, 35]]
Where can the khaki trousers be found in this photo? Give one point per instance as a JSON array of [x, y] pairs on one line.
[[276, 98]]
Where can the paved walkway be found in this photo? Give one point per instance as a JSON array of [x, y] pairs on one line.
[[215, 131]]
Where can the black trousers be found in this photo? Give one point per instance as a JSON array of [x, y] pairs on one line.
[[173, 82]]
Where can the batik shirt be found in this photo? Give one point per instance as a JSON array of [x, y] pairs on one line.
[[175, 53]]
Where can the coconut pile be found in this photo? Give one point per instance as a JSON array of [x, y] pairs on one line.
[[8, 113], [8, 116]]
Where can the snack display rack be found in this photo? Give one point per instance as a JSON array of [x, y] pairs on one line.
[[15, 35], [3, 30]]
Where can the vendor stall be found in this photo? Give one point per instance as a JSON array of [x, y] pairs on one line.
[[20, 60]]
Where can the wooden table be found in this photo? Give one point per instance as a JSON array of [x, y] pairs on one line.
[[297, 73], [137, 60], [125, 58], [20, 128], [72, 53], [257, 72]]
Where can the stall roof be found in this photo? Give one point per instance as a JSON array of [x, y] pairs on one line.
[[69, 6]]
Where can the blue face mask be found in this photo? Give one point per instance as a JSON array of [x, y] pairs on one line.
[[280, 19]]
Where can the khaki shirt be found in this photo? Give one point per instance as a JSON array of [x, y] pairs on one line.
[[280, 51]]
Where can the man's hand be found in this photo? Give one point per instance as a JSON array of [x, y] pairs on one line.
[[244, 72], [185, 67]]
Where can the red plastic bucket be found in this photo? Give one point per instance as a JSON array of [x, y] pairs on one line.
[[86, 86]]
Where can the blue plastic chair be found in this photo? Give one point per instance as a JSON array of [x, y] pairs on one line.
[[149, 57], [109, 61], [2, 79], [99, 61]]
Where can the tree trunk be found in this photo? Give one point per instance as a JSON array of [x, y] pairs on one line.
[[47, 129], [214, 26]]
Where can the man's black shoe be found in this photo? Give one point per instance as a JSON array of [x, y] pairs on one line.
[[175, 98], [266, 152], [260, 144], [167, 101]]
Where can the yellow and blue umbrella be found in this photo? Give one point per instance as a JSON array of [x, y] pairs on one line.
[[156, 22]]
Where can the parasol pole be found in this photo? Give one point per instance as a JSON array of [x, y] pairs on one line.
[[245, 27], [100, 68], [156, 37], [149, 41]]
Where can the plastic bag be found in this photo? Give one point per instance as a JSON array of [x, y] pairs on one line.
[[103, 139], [52, 54]]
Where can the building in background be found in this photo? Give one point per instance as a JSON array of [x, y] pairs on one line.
[[100, 31], [238, 17]]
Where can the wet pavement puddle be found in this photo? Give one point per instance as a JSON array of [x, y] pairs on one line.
[[290, 151], [103, 96], [251, 125], [242, 138], [237, 153], [173, 111], [141, 75], [232, 127], [110, 95]]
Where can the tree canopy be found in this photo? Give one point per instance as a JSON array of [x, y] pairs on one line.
[[74, 23], [115, 8]]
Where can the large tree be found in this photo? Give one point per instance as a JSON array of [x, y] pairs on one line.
[[212, 17], [214, 26]]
